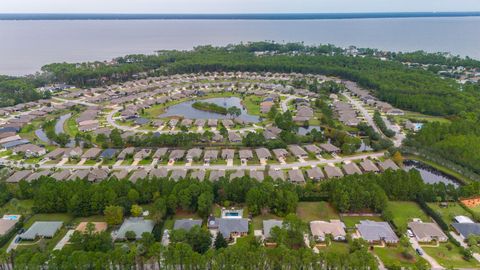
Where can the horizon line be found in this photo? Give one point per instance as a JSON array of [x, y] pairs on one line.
[[233, 16]]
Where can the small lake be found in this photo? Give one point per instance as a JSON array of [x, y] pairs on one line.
[[61, 122], [186, 110], [305, 130], [429, 174]]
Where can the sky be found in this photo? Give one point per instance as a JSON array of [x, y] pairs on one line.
[[234, 6]]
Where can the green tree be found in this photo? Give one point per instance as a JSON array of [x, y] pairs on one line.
[[136, 210], [113, 214]]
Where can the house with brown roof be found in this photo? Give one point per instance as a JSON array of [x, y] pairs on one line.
[[277, 174], [330, 148], [296, 176], [228, 154], [333, 171], [387, 164], [368, 166], [426, 232], [351, 168], [321, 229], [315, 173], [92, 153], [297, 151]]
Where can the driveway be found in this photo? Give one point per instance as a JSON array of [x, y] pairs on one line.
[[428, 258], [64, 240], [463, 244]]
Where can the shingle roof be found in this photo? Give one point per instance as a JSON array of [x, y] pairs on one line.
[[388, 164], [257, 175], [215, 175], [332, 171], [376, 231], [269, 224], [186, 224], [297, 150], [296, 176], [137, 225], [42, 229], [177, 154], [426, 230], [328, 147], [351, 168], [228, 153], [315, 173], [263, 153], [322, 228], [466, 229], [198, 174], [237, 174], [18, 176], [178, 174], [226, 226], [160, 152], [277, 174], [368, 166], [245, 154], [158, 173]]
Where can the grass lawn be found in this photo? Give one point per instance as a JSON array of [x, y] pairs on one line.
[[336, 247], [448, 213], [145, 162], [415, 116], [96, 218], [404, 212], [350, 222], [258, 220], [14, 206], [450, 258], [70, 126], [252, 104], [476, 209], [308, 211], [393, 256]]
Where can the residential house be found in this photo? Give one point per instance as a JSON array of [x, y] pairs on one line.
[[376, 232], [216, 174], [263, 153], [321, 229], [387, 164], [277, 174], [368, 166], [351, 168], [315, 173], [330, 148], [426, 232], [297, 151], [333, 171], [186, 224], [92, 153], [194, 154], [257, 175], [42, 229], [136, 225], [296, 176]]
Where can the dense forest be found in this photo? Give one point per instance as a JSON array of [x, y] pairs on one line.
[[458, 141], [18, 90]]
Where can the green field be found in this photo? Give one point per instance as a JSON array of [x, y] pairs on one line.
[[14, 206], [351, 221], [391, 256], [404, 212], [450, 258], [448, 213], [252, 104], [335, 247], [66, 218], [308, 211]]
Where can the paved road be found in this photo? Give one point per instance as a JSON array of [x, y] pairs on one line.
[[433, 263], [399, 135], [76, 101], [359, 106], [13, 245]]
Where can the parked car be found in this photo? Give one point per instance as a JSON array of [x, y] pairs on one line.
[[419, 252]]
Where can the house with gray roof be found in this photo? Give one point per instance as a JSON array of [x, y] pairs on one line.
[[198, 174], [42, 229], [210, 155], [97, 175], [216, 174], [136, 225], [78, 174], [126, 152], [333, 171], [178, 174], [376, 232], [467, 229], [186, 122], [121, 174], [232, 227], [92, 153], [75, 152], [160, 152], [280, 153], [138, 174], [212, 122], [237, 174], [142, 154], [268, 225], [387, 164], [158, 173], [228, 154], [312, 148], [297, 151], [108, 153], [194, 154], [330, 148], [227, 123], [186, 224], [234, 137], [263, 153], [426, 232], [18, 176], [257, 175], [61, 175], [296, 176], [200, 122], [351, 168], [315, 173], [246, 154], [277, 174], [54, 154], [176, 154], [368, 166], [36, 175]]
